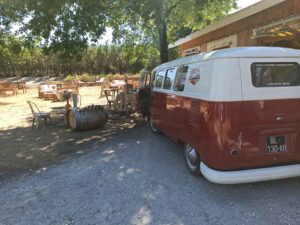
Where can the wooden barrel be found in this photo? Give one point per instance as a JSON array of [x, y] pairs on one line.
[[87, 118]]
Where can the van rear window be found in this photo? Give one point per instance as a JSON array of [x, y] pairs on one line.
[[275, 74]]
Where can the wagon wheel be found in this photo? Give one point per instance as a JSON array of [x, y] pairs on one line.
[[192, 160]]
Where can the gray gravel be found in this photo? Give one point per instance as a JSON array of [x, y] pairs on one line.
[[140, 178]]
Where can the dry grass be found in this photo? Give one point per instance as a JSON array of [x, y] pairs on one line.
[[15, 112], [22, 149]]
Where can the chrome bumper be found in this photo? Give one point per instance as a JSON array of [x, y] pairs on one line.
[[251, 175]]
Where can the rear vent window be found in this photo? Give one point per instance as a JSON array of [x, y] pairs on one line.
[[275, 74], [180, 78]]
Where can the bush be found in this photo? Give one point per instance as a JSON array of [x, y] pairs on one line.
[[70, 78], [109, 77], [87, 78]]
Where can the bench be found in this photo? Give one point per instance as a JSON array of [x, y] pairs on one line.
[[8, 86]]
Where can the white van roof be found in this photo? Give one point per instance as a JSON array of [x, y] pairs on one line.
[[241, 52]]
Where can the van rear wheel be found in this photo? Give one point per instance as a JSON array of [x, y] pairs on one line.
[[192, 160]]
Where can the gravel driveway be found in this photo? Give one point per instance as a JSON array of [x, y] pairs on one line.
[[140, 178]]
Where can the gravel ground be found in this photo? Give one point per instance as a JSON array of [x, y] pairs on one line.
[[140, 178]]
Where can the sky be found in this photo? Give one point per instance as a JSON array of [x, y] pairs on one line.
[[244, 3], [241, 4], [107, 37]]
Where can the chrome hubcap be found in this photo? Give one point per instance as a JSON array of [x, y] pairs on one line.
[[191, 156]]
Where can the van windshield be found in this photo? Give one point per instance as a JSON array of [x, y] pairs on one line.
[[275, 74]]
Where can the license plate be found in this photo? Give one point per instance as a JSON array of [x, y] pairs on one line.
[[276, 144]]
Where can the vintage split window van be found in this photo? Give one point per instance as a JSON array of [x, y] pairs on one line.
[[236, 110]]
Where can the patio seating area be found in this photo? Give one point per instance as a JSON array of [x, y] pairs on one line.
[[39, 145], [55, 90], [12, 87], [120, 95]]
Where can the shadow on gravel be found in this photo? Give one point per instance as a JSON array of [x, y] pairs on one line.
[[136, 178], [156, 173], [24, 149]]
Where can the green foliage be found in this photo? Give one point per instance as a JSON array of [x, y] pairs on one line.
[[199, 14], [66, 26], [164, 21], [109, 77], [59, 33], [86, 78], [18, 59], [11, 11], [70, 77]]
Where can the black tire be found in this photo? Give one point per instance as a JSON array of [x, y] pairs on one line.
[[152, 126], [192, 160]]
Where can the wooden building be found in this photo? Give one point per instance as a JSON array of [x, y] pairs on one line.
[[266, 23]]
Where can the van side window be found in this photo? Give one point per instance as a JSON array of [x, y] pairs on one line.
[[180, 78], [159, 79], [169, 78], [275, 74]]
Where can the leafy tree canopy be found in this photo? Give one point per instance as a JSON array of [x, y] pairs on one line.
[[69, 26], [65, 26], [184, 21], [164, 21]]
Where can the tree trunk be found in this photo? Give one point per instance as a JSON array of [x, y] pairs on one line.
[[163, 42]]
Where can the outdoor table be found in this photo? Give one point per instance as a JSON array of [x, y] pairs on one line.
[[90, 83], [50, 96]]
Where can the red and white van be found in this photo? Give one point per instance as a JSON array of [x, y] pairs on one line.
[[236, 110]]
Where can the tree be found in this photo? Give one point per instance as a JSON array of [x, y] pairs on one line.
[[162, 17], [17, 58], [185, 21], [65, 26], [64, 29]]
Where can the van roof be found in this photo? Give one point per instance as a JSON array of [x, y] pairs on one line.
[[240, 52]]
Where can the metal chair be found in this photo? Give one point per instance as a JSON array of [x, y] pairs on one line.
[[38, 115]]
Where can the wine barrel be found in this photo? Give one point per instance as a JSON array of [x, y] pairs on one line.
[[87, 118]]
